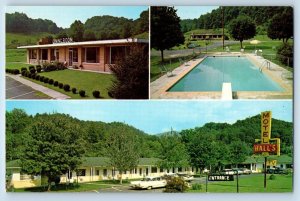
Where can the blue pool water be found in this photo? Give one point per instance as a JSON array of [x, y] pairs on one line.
[[210, 74]]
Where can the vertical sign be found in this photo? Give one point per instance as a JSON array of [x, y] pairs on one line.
[[266, 118]]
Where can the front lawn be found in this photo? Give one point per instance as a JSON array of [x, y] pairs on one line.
[[252, 183], [81, 80]]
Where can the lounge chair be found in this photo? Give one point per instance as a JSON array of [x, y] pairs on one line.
[[164, 69], [181, 61]]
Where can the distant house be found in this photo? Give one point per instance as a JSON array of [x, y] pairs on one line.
[[89, 55], [206, 36], [93, 169]]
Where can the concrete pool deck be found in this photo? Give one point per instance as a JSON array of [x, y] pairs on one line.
[[159, 88]]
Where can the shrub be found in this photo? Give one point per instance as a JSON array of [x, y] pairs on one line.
[[32, 70], [23, 72], [67, 87], [175, 185], [82, 93], [30, 67], [23, 69], [33, 76], [16, 71], [96, 94], [285, 54], [29, 75], [37, 77], [196, 186], [38, 68], [60, 85], [110, 94], [42, 78], [51, 81], [46, 80], [272, 177], [74, 90], [55, 83]]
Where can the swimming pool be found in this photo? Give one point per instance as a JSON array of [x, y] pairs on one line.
[[210, 74]]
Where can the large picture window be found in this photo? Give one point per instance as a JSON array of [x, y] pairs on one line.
[[33, 54], [91, 54], [118, 52], [74, 52], [81, 172]]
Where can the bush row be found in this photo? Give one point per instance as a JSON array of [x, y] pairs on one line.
[[13, 71], [66, 87]]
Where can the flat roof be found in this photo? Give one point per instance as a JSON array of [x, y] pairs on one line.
[[97, 42]]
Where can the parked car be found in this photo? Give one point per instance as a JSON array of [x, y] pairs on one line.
[[186, 177], [149, 183], [276, 170], [238, 170], [228, 172], [246, 171]]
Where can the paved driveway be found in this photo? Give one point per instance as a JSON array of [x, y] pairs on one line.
[[17, 90]]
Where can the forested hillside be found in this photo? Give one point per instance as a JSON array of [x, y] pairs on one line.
[[210, 143], [19, 26], [260, 14]]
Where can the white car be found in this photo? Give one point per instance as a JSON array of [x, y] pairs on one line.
[[186, 177], [228, 172], [149, 183]]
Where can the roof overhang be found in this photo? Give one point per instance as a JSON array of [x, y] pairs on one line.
[[88, 43]]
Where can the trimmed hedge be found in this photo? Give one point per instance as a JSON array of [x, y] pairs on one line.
[[82, 93], [67, 87], [55, 83], [96, 94], [37, 77], [46, 80], [42, 78], [74, 90], [38, 68], [60, 85], [51, 81]]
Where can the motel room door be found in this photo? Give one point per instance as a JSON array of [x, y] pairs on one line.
[[70, 57]]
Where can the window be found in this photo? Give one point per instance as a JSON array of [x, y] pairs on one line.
[[141, 171], [44, 54], [54, 54], [105, 172], [97, 172], [92, 55], [180, 169], [161, 170], [81, 172], [32, 54], [117, 53], [154, 169]]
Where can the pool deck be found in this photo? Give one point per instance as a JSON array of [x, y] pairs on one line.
[[159, 87]]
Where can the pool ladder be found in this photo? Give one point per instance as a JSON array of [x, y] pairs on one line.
[[265, 63]]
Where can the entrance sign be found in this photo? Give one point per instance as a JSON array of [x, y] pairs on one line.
[[220, 178]]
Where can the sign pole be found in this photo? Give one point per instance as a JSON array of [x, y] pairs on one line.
[[265, 172], [206, 182], [237, 181]]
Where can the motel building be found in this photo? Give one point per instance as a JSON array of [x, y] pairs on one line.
[[87, 55], [93, 169]]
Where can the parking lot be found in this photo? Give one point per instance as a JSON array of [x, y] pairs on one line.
[[17, 90]]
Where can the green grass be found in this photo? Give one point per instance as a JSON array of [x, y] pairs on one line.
[[253, 183], [16, 55], [13, 40], [87, 81]]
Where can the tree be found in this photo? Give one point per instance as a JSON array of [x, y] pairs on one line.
[[77, 30], [61, 34], [143, 23], [281, 26], [53, 147], [238, 152], [173, 152], [131, 73], [126, 31], [122, 149], [89, 35], [242, 28], [165, 29]]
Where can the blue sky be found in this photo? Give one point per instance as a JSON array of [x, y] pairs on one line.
[[191, 12], [159, 116], [64, 16]]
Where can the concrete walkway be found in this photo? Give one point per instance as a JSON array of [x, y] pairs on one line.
[[52, 93]]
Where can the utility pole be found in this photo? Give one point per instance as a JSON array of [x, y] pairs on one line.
[[223, 26]]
